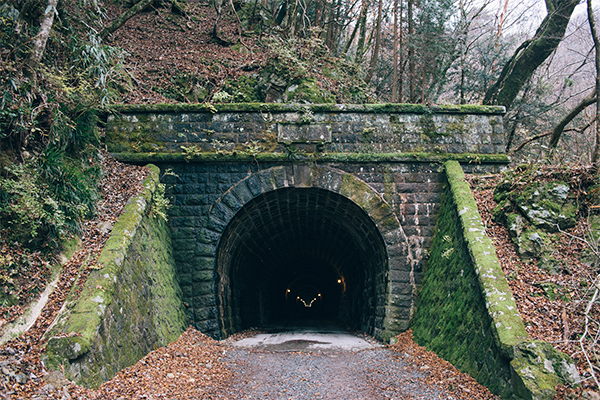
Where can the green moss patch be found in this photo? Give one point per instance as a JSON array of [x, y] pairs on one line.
[[143, 158], [277, 107]]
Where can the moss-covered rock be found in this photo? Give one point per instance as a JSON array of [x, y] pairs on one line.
[[548, 206], [531, 242], [538, 368]]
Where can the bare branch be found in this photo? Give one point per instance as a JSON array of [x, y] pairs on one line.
[[560, 127]]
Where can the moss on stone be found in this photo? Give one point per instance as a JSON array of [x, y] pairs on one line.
[[131, 296], [143, 158], [538, 368], [466, 312]]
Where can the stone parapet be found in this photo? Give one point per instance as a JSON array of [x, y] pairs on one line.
[[256, 128]]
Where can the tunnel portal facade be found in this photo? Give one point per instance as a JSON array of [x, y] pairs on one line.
[[258, 244], [287, 212]]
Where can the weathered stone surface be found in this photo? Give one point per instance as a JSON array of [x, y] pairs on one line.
[[538, 368], [547, 206], [331, 128], [465, 287]]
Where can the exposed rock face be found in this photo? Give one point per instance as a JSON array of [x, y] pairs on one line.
[[531, 216]]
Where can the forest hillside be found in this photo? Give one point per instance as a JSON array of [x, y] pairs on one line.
[[64, 62]]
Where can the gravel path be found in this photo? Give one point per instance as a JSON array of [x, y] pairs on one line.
[[197, 367], [378, 373]]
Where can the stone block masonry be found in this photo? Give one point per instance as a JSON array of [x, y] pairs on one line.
[[131, 303], [377, 128]]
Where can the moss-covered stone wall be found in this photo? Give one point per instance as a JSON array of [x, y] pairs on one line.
[[259, 128], [451, 317], [131, 303], [466, 312]]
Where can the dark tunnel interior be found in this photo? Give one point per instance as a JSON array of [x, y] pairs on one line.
[[301, 254]]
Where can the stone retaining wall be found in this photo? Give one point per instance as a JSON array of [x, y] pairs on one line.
[[131, 302], [466, 312]]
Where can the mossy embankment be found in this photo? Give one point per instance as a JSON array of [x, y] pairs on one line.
[[466, 312], [130, 304]]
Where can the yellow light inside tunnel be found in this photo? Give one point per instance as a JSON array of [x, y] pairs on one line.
[[319, 294], [288, 290], [339, 281]]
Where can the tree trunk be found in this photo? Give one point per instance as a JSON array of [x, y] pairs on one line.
[[528, 58], [330, 26], [375, 54], [592, 22], [395, 62], [119, 22], [401, 55], [351, 39], [411, 52], [291, 22], [362, 21], [39, 44]]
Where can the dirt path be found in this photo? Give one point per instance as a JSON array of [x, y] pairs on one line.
[[308, 363], [285, 367]]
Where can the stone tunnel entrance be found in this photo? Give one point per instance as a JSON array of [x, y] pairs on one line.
[[301, 254]]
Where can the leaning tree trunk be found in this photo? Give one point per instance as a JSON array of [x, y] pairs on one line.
[[362, 21], [119, 22], [39, 44], [560, 127], [532, 54]]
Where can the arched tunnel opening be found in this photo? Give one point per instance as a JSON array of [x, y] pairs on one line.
[[301, 255]]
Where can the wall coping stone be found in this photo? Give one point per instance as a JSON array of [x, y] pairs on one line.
[[143, 158]]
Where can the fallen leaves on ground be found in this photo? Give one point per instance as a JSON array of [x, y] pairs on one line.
[[189, 368], [439, 371]]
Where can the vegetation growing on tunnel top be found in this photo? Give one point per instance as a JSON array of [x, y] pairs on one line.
[[382, 108], [142, 158]]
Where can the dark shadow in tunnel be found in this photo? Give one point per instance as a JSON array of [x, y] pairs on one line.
[[299, 255]]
